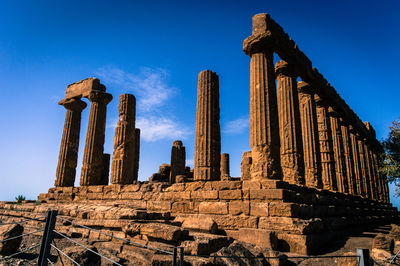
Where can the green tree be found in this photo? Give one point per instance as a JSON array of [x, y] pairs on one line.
[[391, 162]]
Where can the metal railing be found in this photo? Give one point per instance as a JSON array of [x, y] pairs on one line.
[[49, 232]]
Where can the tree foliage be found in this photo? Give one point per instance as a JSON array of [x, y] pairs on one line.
[[391, 165]]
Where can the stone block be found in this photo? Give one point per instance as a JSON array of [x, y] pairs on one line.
[[176, 187], [163, 231], [239, 207], [159, 205], [201, 223], [183, 207], [204, 195], [291, 225], [83, 88], [131, 195], [197, 185], [8, 231], [131, 188], [259, 208], [259, 237], [213, 207], [95, 189], [283, 209], [234, 222], [230, 194], [226, 185], [251, 184], [269, 194]]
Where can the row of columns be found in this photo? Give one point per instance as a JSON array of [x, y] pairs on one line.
[[96, 164], [299, 136]]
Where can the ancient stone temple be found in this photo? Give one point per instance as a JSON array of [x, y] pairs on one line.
[[208, 137], [311, 176]]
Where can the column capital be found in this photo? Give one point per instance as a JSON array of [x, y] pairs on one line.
[[304, 87], [74, 104], [333, 112], [99, 96], [282, 68], [258, 43]]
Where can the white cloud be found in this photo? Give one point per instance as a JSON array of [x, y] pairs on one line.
[[154, 128], [149, 85], [190, 162], [237, 126]]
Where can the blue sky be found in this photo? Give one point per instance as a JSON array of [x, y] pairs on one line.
[[155, 50]]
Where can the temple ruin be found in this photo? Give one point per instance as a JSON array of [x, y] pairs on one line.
[[312, 172]]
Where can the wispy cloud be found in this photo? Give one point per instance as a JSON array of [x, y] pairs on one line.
[[154, 128], [237, 126], [190, 162], [149, 85], [152, 91]]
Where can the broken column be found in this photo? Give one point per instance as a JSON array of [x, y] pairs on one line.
[[208, 139], [264, 129], [338, 151], [68, 158], [245, 166], [309, 126], [225, 166], [348, 157], [136, 155], [325, 144], [178, 161], [292, 161], [92, 166], [124, 141]]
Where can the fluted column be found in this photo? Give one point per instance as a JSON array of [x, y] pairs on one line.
[[178, 160], [378, 181], [325, 145], [368, 167], [291, 149], [207, 151], [348, 157], [309, 126], [136, 155], [356, 161], [92, 166], [124, 141], [68, 157], [225, 166], [338, 152], [264, 130], [364, 172]]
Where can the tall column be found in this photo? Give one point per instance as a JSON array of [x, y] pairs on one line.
[[207, 150], [325, 145], [68, 158], [264, 130], [91, 173], [178, 160], [136, 155], [309, 126], [364, 172], [378, 180], [368, 168], [348, 157], [225, 166], [338, 152], [124, 141], [292, 161], [356, 161]]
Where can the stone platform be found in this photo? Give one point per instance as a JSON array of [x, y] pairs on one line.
[[302, 219]]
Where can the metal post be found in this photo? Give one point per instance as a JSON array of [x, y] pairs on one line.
[[47, 237], [363, 257], [181, 256], [174, 256]]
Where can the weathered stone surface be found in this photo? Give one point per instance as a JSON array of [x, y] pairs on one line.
[[200, 223], [8, 231], [239, 207], [291, 145], [80, 255], [122, 171], [213, 207], [92, 166], [348, 158], [68, 157], [259, 237], [178, 160], [163, 231], [207, 150], [383, 241], [137, 153], [245, 165], [225, 166], [395, 232]]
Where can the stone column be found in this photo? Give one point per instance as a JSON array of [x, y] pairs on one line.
[[92, 166], [348, 157], [68, 158], [326, 146], [207, 151], [368, 167], [124, 142], [178, 161], [356, 161], [380, 191], [309, 128], [264, 130], [291, 149], [136, 155], [364, 172], [338, 151], [225, 166]]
